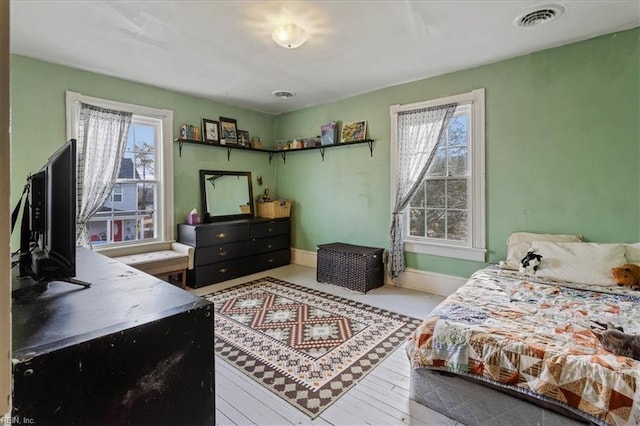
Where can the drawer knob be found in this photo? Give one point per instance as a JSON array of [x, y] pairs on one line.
[[222, 253], [269, 245], [270, 260], [223, 270], [221, 235], [269, 229]]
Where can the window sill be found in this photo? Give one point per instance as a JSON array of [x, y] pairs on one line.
[[444, 250], [132, 248]]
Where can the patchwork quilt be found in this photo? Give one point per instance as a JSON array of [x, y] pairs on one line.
[[534, 337]]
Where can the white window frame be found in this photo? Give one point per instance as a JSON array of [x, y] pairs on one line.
[[475, 248], [164, 157]]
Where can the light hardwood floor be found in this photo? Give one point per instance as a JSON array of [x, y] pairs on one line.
[[381, 398]]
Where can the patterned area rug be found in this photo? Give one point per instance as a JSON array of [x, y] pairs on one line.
[[307, 346]]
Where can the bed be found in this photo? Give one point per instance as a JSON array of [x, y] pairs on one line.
[[512, 349]]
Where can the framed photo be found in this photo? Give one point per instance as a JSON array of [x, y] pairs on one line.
[[210, 131], [228, 130], [356, 131], [243, 138], [329, 133]]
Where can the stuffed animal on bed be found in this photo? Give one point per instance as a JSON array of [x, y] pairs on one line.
[[627, 275], [529, 263]]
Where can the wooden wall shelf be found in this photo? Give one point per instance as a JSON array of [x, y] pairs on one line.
[[283, 152]]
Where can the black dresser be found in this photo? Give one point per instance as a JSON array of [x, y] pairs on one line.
[[129, 350], [231, 249]]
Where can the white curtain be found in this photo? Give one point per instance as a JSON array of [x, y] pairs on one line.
[[419, 133], [102, 139]]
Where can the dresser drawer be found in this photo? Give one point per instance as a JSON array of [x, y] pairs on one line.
[[215, 254], [270, 260], [208, 236], [215, 272], [263, 245], [270, 228]]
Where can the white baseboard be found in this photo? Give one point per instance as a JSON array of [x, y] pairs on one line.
[[429, 282], [303, 257], [415, 279]]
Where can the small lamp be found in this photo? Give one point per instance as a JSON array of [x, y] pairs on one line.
[[289, 36]]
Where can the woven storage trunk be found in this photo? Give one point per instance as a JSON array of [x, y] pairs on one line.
[[357, 268], [274, 209]]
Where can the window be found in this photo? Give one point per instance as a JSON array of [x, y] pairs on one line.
[[140, 206], [116, 194], [130, 213], [445, 217]]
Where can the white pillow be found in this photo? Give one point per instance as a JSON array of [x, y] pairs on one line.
[[632, 253], [586, 263], [518, 245]]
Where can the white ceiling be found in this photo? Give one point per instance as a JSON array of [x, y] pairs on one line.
[[222, 50]]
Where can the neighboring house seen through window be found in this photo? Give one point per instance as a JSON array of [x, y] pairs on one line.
[[446, 217], [140, 206]]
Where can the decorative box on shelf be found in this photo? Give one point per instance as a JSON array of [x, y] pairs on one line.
[[355, 267], [273, 209]]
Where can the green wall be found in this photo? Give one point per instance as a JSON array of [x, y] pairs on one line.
[[562, 146], [39, 126], [562, 152]]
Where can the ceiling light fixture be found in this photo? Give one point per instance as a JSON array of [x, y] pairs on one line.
[[289, 36], [539, 16]]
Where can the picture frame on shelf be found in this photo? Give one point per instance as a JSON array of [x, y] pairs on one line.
[[210, 131], [229, 130], [329, 133], [353, 132], [243, 138]]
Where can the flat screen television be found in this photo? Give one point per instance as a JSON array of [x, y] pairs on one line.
[[48, 250]]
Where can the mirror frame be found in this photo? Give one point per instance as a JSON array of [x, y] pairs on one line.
[[207, 218]]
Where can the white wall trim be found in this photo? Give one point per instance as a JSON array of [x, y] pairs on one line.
[[414, 279], [304, 257], [429, 282]]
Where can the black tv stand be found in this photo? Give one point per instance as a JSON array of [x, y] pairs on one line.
[[30, 289], [133, 350]]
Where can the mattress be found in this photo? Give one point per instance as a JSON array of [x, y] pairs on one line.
[[533, 339], [475, 403]]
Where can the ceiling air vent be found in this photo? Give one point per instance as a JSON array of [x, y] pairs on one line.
[[539, 16], [283, 94]]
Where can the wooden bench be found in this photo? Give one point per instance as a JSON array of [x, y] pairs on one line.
[[158, 259]]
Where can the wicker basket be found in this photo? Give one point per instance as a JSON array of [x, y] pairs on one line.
[[274, 209], [357, 268]]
